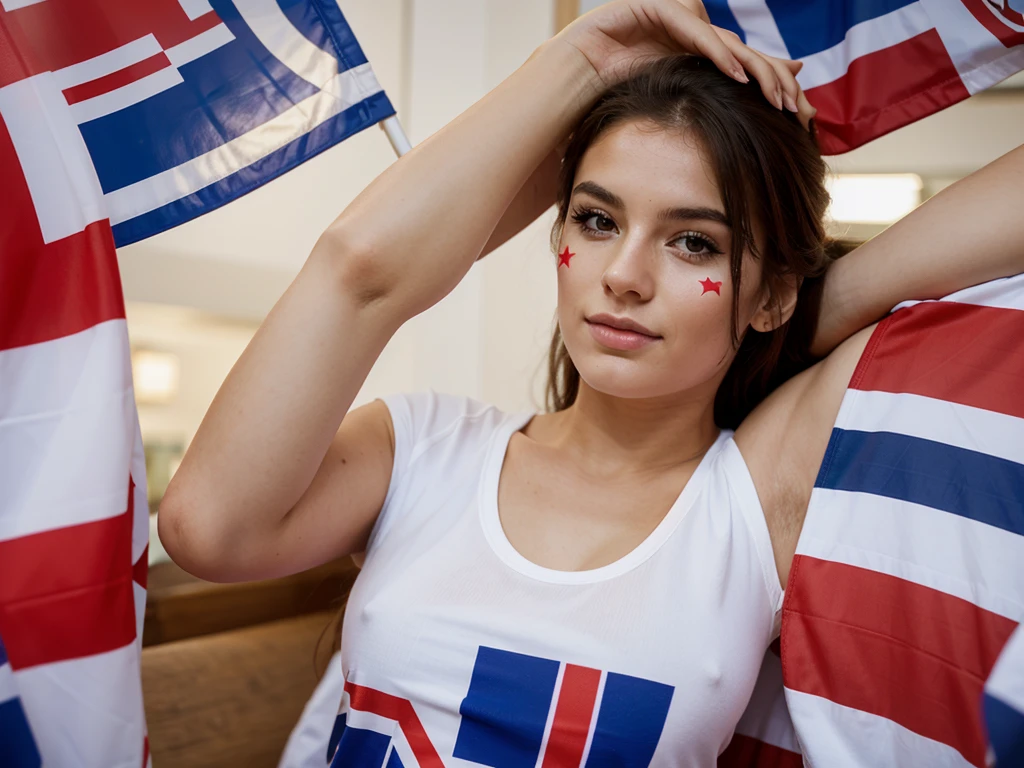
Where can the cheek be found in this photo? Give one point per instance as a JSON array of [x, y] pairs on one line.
[[699, 310]]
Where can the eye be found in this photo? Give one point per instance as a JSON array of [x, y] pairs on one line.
[[593, 221], [696, 245]]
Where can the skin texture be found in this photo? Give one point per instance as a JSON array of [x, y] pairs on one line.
[[284, 475], [583, 487]]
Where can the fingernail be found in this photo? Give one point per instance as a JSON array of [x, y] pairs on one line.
[[790, 103], [740, 75]]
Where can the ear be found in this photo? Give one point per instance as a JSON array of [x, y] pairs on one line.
[[778, 305]]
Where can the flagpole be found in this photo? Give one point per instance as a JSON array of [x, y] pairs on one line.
[[396, 135]]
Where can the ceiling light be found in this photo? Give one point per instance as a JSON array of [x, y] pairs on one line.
[[873, 198], [155, 375]]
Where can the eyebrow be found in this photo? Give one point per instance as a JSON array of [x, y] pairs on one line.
[[699, 213]]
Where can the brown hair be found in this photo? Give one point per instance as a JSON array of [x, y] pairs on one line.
[[770, 173]]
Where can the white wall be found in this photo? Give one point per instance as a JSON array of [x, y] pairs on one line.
[[434, 59], [489, 338]]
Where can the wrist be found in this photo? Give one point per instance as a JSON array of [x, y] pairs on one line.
[[570, 64]]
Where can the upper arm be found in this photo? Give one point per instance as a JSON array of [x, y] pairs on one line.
[[784, 440], [332, 518]]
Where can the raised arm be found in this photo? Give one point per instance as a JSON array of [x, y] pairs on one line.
[[275, 481], [971, 232]]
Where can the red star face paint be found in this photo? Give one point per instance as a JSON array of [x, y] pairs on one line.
[[711, 285], [564, 256]]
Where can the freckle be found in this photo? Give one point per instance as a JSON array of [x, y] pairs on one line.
[[344, 461]]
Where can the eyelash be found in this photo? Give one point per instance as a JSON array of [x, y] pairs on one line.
[[580, 215]]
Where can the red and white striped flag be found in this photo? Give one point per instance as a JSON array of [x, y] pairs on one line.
[[909, 574]]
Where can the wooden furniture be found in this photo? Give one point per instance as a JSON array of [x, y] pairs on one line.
[[232, 698], [180, 606], [227, 668]]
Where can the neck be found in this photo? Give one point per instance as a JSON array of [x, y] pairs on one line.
[[611, 436]]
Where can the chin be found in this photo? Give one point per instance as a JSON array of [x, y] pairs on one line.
[[623, 377]]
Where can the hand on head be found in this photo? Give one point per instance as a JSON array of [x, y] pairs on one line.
[[616, 36]]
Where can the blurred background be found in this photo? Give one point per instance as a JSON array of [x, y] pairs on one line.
[[196, 294]]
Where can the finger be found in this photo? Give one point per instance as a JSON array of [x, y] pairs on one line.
[[805, 112], [794, 66], [695, 35], [697, 7], [762, 71], [787, 79]]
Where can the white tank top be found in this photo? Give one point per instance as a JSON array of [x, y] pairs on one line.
[[458, 651]]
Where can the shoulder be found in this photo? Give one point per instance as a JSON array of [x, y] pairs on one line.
[[420, 419], [784, 440]]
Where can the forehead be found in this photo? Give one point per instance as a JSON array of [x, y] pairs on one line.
[[642, 162]]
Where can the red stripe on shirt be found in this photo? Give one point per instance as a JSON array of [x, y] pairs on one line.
[[748, 752], [962, 353], [118, 79], [885, 90], [912, 654], [50, 290], [573, 713], [394, 708], [67, 593]]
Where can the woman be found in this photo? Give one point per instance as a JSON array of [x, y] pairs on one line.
[[599, 582]]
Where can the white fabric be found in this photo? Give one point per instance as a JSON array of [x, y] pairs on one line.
[[852, 738], [73, 396], [307, 744], [87, 712], [693, 607]]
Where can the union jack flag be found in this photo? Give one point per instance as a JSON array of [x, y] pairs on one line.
[[118, 120]]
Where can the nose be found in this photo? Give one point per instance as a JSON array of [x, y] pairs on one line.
[[629, 274]]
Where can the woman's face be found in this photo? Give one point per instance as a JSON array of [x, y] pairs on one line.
[[644, 291]]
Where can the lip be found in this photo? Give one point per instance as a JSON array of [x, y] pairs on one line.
[[619, 332]]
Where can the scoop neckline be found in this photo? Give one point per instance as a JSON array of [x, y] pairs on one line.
[[490, 518]]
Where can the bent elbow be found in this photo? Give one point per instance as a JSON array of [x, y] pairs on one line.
[[190, 545]]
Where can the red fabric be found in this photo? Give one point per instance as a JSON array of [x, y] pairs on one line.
[[401, 710], [747, 752], [50, 290], [885, 90], [117, 79], [985, 14], [961, 353], [911, 654], [573, 713], [54, 34], [67, 593]]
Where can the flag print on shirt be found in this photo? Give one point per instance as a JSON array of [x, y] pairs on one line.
[[519, 712]]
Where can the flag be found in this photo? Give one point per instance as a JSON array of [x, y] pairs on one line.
[[18, 747], [908, 580], [872, 66], [118, 120], [1004, 703], [611, 718], [765, 736]]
